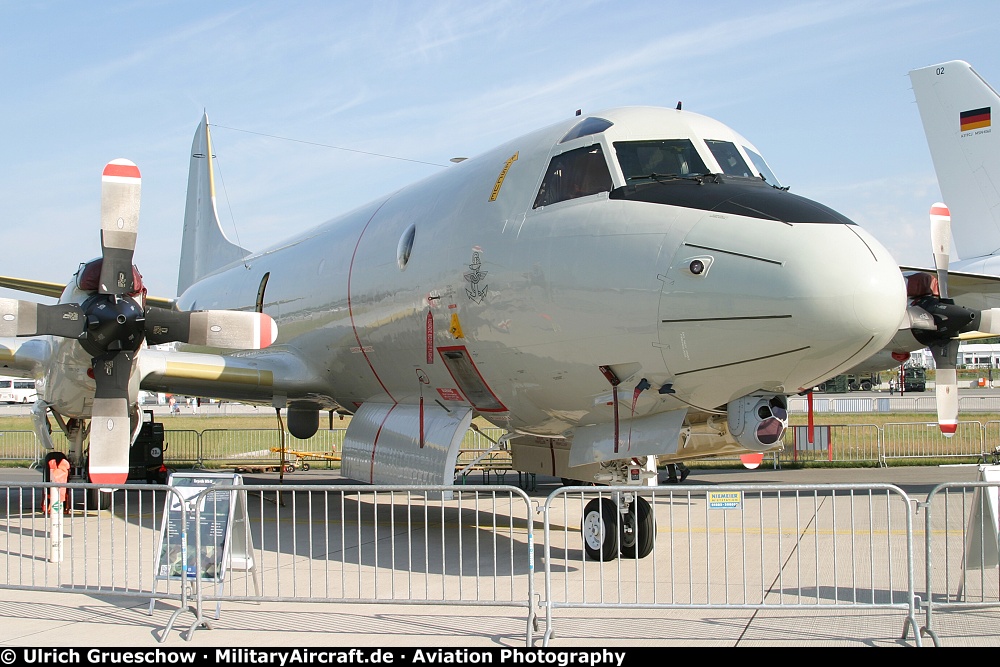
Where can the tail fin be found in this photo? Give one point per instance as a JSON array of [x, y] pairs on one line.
[[956, 107], [204, 246]]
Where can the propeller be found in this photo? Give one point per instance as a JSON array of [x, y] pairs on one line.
[[112, 323], [937, 322]]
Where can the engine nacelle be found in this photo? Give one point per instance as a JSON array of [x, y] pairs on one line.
[[758, 421]]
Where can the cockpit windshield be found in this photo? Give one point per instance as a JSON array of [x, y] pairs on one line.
[[658, 158], [729, 158]]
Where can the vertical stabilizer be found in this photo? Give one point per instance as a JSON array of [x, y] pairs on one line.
[[956, 108], [204, 246]]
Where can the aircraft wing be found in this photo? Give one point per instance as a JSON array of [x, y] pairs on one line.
[[55, 290], [40, 287], [266, 378]]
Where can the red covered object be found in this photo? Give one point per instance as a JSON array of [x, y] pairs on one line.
[[89, 277], [921, 284]]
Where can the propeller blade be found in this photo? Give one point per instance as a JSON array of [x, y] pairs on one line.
[[941, 244], [211, 328], [946, 385], [989, 321], [110, 426], [120, 189], [27, 318]]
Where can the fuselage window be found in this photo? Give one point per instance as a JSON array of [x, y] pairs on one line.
[[762, 167], [575, 173], [729, 158], [659, 158]]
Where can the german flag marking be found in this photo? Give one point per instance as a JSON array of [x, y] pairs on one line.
[[975, 119]]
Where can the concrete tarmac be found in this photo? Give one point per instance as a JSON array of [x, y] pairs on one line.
[[69, 619]]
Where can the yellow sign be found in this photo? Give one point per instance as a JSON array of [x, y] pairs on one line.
[[503, 175], [725, 500], [456, 326]]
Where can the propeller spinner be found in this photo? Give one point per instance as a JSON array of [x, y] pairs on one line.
[[112, 323]]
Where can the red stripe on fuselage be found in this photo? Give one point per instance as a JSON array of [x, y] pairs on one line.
[[371, 469], [350, 306]]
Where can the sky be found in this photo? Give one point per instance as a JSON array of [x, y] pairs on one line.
[[319, 107]]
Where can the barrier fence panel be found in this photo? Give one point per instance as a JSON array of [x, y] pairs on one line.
[[746, 546], [66, 543], [834, 442], [181, 447], [962, 557], [469, 545], [19, 446], [925, 440], [978, 404]]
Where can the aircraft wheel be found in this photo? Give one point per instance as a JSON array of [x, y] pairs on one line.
[[305, 466], [600, 537], [638, 530], [98, 500], [289, 468]]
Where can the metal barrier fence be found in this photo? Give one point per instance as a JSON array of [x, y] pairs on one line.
[[79, 548], [746, 546], [962, 550], [924, 440], [914, 404], [828, 546], [19, 446], [470, 545]]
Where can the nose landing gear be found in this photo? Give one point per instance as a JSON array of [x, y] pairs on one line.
[[625, 525]]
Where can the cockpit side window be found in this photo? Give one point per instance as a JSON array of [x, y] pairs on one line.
[[575, 173], [762, 167], [656, 158], [729, 158]]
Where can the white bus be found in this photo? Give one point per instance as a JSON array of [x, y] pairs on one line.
[[17, 390]]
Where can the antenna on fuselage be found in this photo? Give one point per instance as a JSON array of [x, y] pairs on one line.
[[678, 105]]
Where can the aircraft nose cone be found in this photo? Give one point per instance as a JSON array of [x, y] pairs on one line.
[[879, 296], [786, 306], [858, 295]]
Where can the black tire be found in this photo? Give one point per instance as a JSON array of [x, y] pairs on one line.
[[600, 530], [98, 500], [289, 468], [305, 466], [638, 530]]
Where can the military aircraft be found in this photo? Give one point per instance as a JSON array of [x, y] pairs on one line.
[[612, 289]]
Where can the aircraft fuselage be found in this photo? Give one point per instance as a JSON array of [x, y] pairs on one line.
[[490, 284]]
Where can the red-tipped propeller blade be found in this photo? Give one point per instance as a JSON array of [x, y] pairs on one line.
[[211, 328], [110, 425], [120, 190], [941, 244]]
